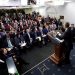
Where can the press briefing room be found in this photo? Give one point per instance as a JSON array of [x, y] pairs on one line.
[[37, 37]]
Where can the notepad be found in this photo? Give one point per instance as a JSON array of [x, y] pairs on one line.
[[23, 44], [43, 35]]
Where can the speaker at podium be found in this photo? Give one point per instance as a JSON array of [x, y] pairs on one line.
[[57, 55]]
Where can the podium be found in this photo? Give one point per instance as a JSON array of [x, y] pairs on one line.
[[57, 55]]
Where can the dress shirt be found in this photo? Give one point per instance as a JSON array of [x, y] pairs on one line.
[[9, 43], [30, 38]]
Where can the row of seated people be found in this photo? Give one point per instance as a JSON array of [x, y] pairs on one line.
[[28, 37], [13, 44], [16, 20]]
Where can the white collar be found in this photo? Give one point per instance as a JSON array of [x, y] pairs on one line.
[[66, 29]]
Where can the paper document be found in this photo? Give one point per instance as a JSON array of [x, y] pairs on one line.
[[59, 40], [23, 44]]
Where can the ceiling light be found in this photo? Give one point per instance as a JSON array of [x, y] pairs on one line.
[[55, 2], [3, 2], [67, 1], [24, 2]]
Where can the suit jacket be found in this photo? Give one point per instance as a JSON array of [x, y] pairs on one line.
[[73, 32], [17, 41], [2, 56], [45, 31], [22, 38], [23, 35], [7, 43], [38, 33], [26, 37], [67, 36], [1, 42], [33, 35], [4, 42]]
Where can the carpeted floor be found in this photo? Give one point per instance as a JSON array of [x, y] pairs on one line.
[[35, 55], [47, 67]]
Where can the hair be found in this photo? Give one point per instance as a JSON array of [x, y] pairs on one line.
[[72, 24], [67, 24]]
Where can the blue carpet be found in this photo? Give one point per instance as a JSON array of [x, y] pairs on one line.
[[47, 67]]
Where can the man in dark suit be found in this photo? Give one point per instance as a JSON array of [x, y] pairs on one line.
[[39, 37], [28, 38], [73, 32], [7, 45], [45, 31], [33, 36], [67, 36], [19, 42]]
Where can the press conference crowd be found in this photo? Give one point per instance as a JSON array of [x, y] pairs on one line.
[[20, 32]]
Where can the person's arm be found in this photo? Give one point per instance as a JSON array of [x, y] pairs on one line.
[[62, 36]]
